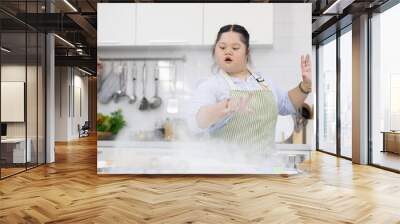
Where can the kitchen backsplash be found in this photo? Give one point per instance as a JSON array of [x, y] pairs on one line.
[[177, 80], [147, 125]]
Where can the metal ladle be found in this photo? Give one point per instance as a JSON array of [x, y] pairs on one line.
[[122, 83], [156, 101], [144, 103], [133, 98], [117, 94]]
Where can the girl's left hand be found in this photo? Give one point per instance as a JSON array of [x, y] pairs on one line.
[[306, 70], [238, 104]]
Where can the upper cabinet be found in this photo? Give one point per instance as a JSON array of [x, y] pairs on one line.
[[169, 24], [116, 24], [153, 24], [257, 18]]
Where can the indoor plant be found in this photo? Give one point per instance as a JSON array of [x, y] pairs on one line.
[[108, 126]]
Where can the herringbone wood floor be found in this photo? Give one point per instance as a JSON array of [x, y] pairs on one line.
[[70, 191]]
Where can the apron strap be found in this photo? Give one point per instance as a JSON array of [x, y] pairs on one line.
[[260, 80], [228, 79]]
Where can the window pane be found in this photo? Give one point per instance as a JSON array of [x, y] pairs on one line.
[[14, 153], [346, 94], [31, 99], [327, 97], [41, 98], [385, 86]]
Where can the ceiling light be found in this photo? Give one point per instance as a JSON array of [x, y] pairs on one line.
[[338, 6], [84, 71], [5, 50], [65, 41], [70, 5], [329, 9]]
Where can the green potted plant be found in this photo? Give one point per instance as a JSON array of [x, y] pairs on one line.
[[108, 126]]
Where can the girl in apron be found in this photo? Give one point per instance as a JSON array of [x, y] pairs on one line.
[[237, 105]]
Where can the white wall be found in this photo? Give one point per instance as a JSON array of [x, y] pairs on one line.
[[79, 117], [67, 80], [281, 63], [61, 103]]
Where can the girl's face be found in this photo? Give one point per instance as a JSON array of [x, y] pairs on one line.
[[230, 53]]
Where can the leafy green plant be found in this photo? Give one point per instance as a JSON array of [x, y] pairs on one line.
[[110, 123]]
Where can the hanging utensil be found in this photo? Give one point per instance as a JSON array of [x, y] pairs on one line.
[[173, 102], [109, 86], [144, 103], [122, 83], [156, 101], [133, 98], [118, 93]]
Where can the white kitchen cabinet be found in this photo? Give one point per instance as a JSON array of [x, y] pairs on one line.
[[169, 24], [257, 18], [116, 24]]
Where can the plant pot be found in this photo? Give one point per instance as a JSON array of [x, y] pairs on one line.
[[105, 135]]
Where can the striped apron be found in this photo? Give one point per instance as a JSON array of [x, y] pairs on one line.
[[253, 131]]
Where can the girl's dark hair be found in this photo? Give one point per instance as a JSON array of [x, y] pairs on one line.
[[244, 37]]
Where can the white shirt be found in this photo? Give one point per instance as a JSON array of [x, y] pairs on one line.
[[215, 89]]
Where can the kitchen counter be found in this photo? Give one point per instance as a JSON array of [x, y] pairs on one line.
[[169, 144], [134, 157]]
